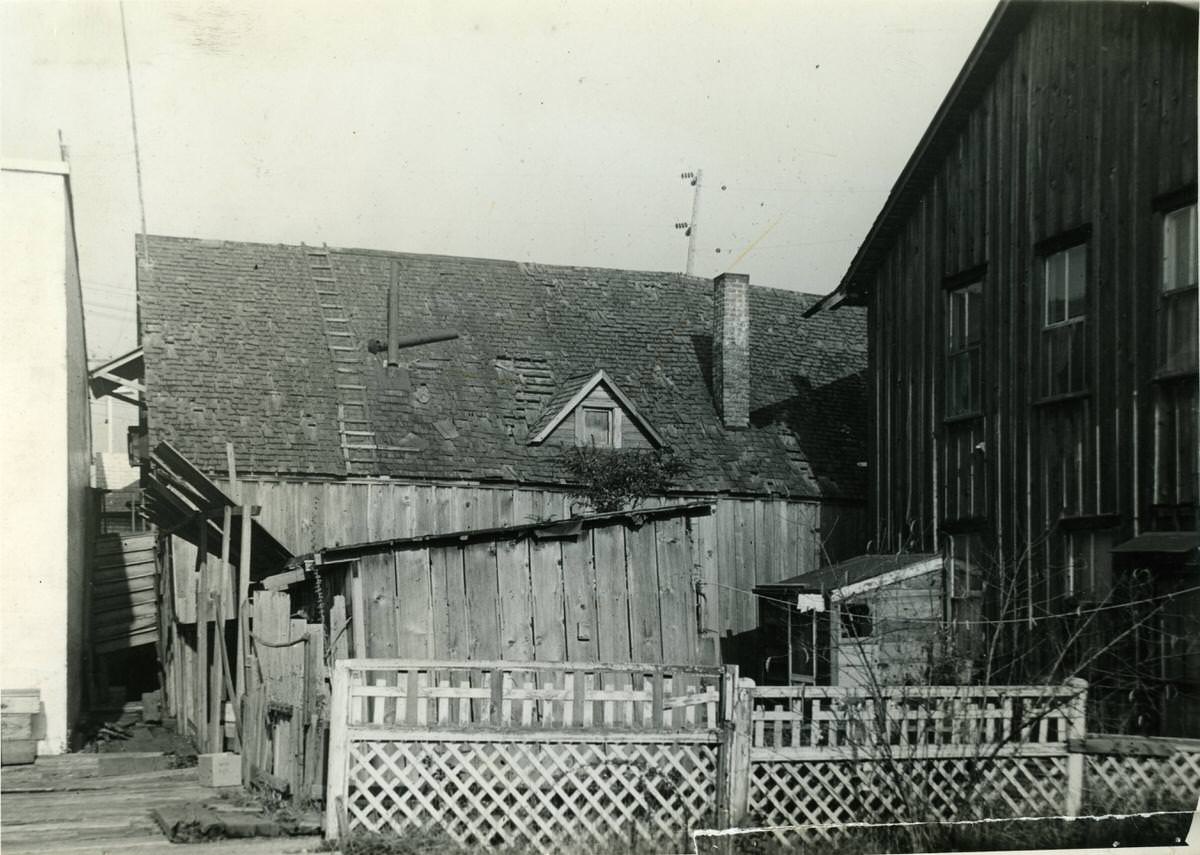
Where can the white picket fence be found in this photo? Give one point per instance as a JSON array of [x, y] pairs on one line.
[[555, 758]]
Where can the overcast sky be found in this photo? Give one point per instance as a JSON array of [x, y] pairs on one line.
[[533, 131]]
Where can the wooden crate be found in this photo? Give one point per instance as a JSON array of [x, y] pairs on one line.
[[20, 711]]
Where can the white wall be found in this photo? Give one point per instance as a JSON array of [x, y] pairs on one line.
[[44, 439]]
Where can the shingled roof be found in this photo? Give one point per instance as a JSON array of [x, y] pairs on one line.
[[236, 350]]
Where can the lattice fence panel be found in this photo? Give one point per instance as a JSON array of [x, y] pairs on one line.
[[1116, 780], [825, 794], [545, 797]]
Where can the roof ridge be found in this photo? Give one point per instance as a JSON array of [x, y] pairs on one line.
[[389, 253]]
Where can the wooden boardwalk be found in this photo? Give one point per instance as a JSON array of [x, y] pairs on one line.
[[62, 805]]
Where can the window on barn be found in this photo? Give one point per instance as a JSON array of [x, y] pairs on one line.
[[1175, 415], [1175, 399], [1089, 564], [964, 335], [1064, 317], [1066, 435], [968, 560], [856, 620], [1178, 319]]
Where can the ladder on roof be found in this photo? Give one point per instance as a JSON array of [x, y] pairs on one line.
[[360, 447]]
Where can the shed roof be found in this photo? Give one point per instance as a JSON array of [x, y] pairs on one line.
[[235, 351], [855, 572], [1169, 542]]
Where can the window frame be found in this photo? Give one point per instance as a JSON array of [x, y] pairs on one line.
[[1089, 570], [1052, 332], [615, 426], [857, 621], [1172, 298], [964, 350], [1176, 412]]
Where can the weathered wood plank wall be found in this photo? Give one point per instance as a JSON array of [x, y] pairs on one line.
[[607, 606], [1091, 116], [619, 592], [744, 543]]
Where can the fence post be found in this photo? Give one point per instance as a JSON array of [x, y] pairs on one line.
[[739, 752], [1076, 730], [339, 748], [733, 768]]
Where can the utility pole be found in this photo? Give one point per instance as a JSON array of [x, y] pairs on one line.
[[690, 227]]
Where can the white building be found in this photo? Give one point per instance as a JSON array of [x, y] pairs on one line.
[[44, 452]]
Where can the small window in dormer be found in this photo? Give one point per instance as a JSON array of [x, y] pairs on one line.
[[596, 427]]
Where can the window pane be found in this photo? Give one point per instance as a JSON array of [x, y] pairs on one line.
[[975, 364], [1063, 356], [954, 385], [1179, 248], [1055, 283], [1076, 285], [973, 300], [1181, 326], [1177, 443], [1185, 438]]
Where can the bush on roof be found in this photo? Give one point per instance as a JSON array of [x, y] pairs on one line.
[[614, 479]]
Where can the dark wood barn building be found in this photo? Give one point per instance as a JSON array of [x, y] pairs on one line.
[[1031, 295]]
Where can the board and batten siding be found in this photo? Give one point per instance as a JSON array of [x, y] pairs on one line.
[[743, 543], [1090, 117]]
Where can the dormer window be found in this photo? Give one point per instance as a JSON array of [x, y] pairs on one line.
[[590, 411]]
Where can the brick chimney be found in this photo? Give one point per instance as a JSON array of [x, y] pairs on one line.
[[731, 348]]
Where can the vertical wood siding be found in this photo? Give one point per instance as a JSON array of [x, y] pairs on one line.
[[1091, 116], [621, 594], [618, 593]]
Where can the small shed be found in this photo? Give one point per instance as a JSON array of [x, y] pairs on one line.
[[872, 616]]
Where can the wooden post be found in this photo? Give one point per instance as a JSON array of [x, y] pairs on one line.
[[216, 736], [739, 752], [733, 765], [227, 678], [337, 625], [231, 463], [1076, 729], [243, 596], [242, 585], [339, 748], [358, 615], [201, 675]]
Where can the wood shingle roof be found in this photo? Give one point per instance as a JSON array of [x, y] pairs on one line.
[[236, 349]]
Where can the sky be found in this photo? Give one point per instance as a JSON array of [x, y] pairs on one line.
[[553, 132]]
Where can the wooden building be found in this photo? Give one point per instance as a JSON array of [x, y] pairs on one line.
[[1031, 293], [288, 353]]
